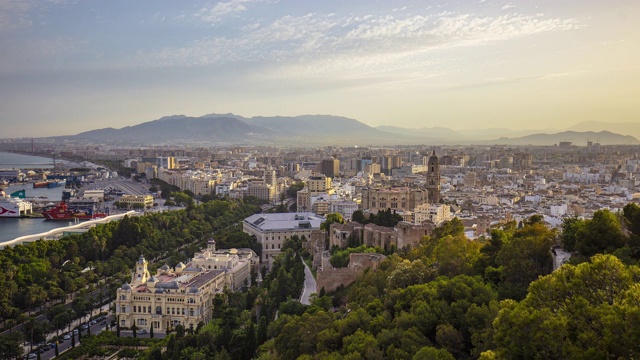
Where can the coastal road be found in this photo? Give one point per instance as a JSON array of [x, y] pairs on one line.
[[309, 285]]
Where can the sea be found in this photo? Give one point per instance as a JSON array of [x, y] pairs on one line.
[[14, 228]]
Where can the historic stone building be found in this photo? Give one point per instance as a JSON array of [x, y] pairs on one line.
[[182, 295], [433, 178], [399, 199]]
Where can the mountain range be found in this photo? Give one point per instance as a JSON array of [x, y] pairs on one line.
[[314, 130]]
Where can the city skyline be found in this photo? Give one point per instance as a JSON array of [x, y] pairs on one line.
[[70, 66]]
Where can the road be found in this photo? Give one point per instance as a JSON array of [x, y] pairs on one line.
[[309, 285], [66, 344], [560, 257]]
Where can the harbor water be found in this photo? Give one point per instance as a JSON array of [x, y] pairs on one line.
[[11, 228]]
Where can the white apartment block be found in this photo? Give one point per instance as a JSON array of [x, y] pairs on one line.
[[146, 201], [436, 213], [346, 208]]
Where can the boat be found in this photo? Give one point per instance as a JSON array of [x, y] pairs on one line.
[[41, 184], [55, 184], [63, 212], [11, 207]]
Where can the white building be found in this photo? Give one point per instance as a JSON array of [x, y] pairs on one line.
[[271, 230], [436, 213]]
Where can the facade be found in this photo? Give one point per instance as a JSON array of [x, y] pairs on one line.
[[94, 194], [315, 186], [146, 201], [436, 213], [330, 167], [433, 178], [262, 191], [271, 230], [179, 296], [395, 198], [182, 295], [346, 208], [168, 162], [319, 183], [236, 263]]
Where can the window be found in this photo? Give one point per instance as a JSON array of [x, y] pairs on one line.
[[142, 322], [190, 312], [158, 310]]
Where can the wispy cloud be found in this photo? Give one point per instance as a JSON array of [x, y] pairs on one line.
[[349, 42], [508, 6], [216, 12]]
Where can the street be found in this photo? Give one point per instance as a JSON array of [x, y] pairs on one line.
[[309, 285]]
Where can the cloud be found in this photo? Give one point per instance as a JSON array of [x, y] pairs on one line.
[[14, 14], [508, 6], [292, 38], [215, 13]]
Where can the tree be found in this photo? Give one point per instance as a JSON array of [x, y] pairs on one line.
[[10, 345], [332, 218], [453, 227], [151, 331], [358, 216], [592, 307], [601, 234], [571, 227], [523, 258]]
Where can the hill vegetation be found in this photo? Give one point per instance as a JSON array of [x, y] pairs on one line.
[[496, 297]]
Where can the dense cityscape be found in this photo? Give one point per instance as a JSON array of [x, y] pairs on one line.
[[342, 212], [311, 180]]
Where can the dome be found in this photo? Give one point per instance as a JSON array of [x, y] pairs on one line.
[[126, 287], [433, 156], [159, 291], [153, 279], [193, 290], [164, 267]]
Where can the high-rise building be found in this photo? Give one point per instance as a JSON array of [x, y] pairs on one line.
[[330, 167], [433, 178]]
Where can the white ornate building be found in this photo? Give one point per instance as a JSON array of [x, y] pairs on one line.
[[182, 295]]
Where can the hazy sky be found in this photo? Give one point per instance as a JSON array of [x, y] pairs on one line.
[[71, 66]]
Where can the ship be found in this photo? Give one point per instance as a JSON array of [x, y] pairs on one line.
[[63, 212], [11, 207], [40, 184], [55, 184]]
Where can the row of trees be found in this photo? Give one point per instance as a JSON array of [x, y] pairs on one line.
[[41, 274]]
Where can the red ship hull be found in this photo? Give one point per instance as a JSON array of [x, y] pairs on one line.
[[61, 212], [42, 184]]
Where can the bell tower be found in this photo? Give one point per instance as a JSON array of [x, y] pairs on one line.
[[141, 273], [433, 178]]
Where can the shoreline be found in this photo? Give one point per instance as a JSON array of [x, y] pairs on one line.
[[55, 233]]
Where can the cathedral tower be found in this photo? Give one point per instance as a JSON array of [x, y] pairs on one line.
[[433, 178]]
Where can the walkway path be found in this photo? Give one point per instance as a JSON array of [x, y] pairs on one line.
[[309, 285]]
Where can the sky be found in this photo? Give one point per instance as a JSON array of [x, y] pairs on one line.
[[71, 66]]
